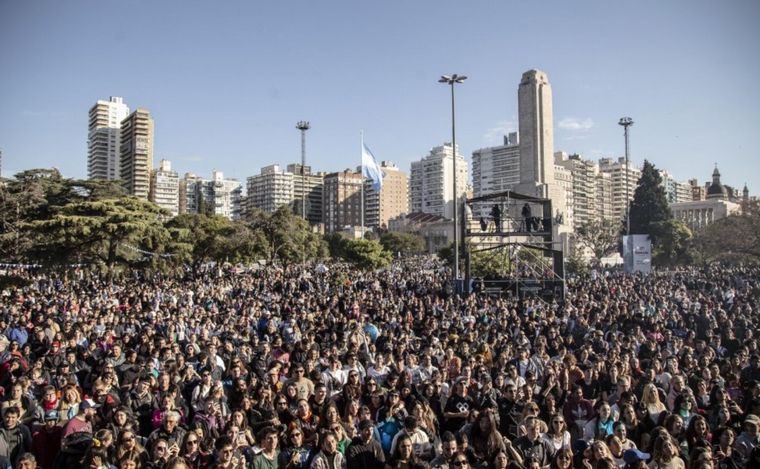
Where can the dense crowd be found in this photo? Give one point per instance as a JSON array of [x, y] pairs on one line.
[[333, 368]]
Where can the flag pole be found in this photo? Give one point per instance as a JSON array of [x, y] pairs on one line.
[[361, 155]]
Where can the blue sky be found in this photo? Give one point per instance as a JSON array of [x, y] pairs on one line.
[[226, 81]]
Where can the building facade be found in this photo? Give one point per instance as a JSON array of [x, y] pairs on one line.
[[103, 138], [164, 187], [622, 188], [271, 189], [313, 184], [215, 196], [393, 199], [496, 169], [341, 200], [136, 153], [431, 182]]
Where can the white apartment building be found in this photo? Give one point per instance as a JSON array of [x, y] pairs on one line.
[[271, 189], [103, 138], [431, 182], [215, 196], [622, 188], [496, 169], [164, 187], [675, 191]]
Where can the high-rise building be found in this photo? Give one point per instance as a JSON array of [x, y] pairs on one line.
[[622, 187], [136, 152], [393, 199], [313, 184], [271, 189], [604, 197], [431, 182], [675, 191], [496, 169], [342, 200], [164, 187], [103, 138], [215, 196], [585, 187]]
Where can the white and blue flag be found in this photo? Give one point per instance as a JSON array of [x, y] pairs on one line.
[[370, 169]]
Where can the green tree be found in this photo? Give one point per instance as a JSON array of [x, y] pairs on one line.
[[35, 195], [491, 263], [674, 242], [649, 205], [735, 239], [201, 238], [108, 231], [599, 236], [286, 236], [405, 243], [366, 254]]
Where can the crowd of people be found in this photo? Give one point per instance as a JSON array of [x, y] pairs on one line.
[[335, 368]]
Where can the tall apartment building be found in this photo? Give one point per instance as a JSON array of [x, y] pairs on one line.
[[621, 193], [136, 152], [604, 204], [341, 200], [585, 187], [431, 182], [164, 187], [564, 179], [496, 169], [393, 199], [312, 183], [675, 191], [215, 196], [103, 138], [271, 189]]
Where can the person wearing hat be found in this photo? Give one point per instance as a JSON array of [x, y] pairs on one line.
[[749, 439], [365, 452], [82, 421], [632, 457], [46, 440]]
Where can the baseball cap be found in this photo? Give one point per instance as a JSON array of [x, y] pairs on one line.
[[633, 455], [88, 404]]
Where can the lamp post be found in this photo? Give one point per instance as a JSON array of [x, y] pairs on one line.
[[451, 80], [303, 126], [626, 122]]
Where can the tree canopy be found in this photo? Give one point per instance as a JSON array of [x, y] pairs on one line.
[[650, 204]]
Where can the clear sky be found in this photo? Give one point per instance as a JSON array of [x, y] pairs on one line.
[[226, 81]]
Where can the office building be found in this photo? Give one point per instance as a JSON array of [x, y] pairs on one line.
[[675, 191], [164, 187], [103, 138], [431, 182], [136, 153]]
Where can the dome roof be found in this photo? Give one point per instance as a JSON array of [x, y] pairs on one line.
[[716, 189]]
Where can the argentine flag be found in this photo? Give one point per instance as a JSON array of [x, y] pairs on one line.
[[371, 170]]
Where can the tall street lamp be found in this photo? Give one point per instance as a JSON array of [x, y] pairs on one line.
[[451, 80], [626, 122], [303, 126]]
